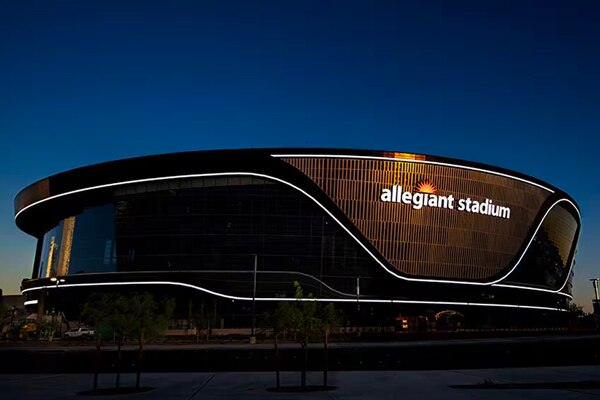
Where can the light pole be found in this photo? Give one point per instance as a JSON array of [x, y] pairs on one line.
[[358, 293], [596, 302], [253, 333], [57, 281]]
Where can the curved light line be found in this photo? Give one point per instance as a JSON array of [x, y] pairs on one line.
[[413, 161], [536, 289], [290, 185], [390, 301], [527, 248], [547, 290], [199, 271], [309, 276]]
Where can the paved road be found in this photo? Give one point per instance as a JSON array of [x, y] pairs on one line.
[[350, 385], [79, 345]]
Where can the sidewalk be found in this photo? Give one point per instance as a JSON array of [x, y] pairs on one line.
[[350, 385], [236, 357]]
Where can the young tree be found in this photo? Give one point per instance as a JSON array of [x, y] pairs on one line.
[[96, 312], [205, 319], [113, 312], [307, 324], [330, 318], [307, 319], [3, 310], [282, 320], [135, 315], [146, 320]]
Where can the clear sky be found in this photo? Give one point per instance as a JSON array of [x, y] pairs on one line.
[[514, 84]]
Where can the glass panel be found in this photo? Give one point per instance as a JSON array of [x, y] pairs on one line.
[[548, 259], [81, 243], [93, 243], [220, 223]]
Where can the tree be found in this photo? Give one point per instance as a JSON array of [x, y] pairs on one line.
[[282, 320], [330, 318], [307, 319], [3, 310], [94, 314], [49, 325], [307, 324], [147, 321], [206, 318], [135, 315], [109, 310], [575, 314], [576, 309]]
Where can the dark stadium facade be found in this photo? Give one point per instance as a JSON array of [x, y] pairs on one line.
[[385, 232]]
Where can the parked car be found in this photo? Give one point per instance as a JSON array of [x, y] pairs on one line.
[[79, 333]]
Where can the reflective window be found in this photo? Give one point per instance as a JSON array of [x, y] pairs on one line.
[[81, 243], [548, 259], [220, 223]]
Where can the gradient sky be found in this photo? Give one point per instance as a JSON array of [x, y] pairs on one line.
[[511, 84]]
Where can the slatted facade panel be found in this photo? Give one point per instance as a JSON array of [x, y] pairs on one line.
[[561, 228], [547, 261], [429, 242]]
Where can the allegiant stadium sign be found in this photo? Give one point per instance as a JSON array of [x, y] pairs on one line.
[[419, 200]]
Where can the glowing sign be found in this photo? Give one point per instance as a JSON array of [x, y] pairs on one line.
[[419, 200]]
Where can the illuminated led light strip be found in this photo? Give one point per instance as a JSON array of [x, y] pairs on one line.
[[226, 296], [307, 195], [546, 290], [30, 302], [229, 271], [413, 161], [529, 244]]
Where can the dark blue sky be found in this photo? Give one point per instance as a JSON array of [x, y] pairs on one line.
[[512, 84]]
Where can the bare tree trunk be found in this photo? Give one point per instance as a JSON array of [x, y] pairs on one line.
[[139, 363], [326, 366], [97, 371], [118, 382], [305, 366], [276, 361]]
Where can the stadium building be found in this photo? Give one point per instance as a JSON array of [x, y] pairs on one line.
[[379, 233]]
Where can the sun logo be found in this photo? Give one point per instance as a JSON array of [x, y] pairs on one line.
[[425, 186]]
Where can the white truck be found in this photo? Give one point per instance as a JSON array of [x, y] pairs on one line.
[[79, 333]]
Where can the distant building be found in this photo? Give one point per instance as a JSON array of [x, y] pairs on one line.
[[377, 232], [14, 300]]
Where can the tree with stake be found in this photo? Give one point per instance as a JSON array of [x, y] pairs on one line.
[[135, 315], [330, 318], [282, 320], [108, 311], [307, 319], [147, 321]]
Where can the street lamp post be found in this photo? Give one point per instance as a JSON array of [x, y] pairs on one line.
[[596, 302], [253, 333], [57, 281], [358, 293]]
